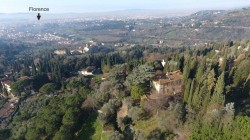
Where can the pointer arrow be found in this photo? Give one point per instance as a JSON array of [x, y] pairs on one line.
[[163, 63], [38, 16]]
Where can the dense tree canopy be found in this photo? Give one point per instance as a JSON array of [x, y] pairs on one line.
[[49, 88]]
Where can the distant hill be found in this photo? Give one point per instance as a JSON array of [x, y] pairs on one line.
[[214, 25]]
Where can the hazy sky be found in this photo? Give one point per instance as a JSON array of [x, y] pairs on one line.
[[78, 6]]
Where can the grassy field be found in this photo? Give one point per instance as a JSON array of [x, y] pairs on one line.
[[99, 133], [92, 129], [143, 125]]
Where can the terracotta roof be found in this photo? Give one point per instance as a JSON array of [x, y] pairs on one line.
[[7, 82], [89, 69], [240, 57], [106, 75], [123, 111], [170, 77], [24, 78], [165, 81], [6, 110]]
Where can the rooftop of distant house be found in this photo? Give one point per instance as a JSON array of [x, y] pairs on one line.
[[106, 75], [89, 69], [6, 81], [24, 78], [169, 77], [8, 108]]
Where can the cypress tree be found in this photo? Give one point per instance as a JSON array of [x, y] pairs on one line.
[[181, 63], [200, 92], [108, 62], [187, 90], [166, 67], [204, 96], [218, 96], [34, 72], [201, 69], [186, 70], [191, 92], [211, 80], [193, 67], [246, 88], [207, 84], [223, 64], [196, 101]]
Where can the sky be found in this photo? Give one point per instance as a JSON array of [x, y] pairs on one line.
[[81, 6]]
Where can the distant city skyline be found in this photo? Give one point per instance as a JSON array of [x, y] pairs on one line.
[[82, 6]]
